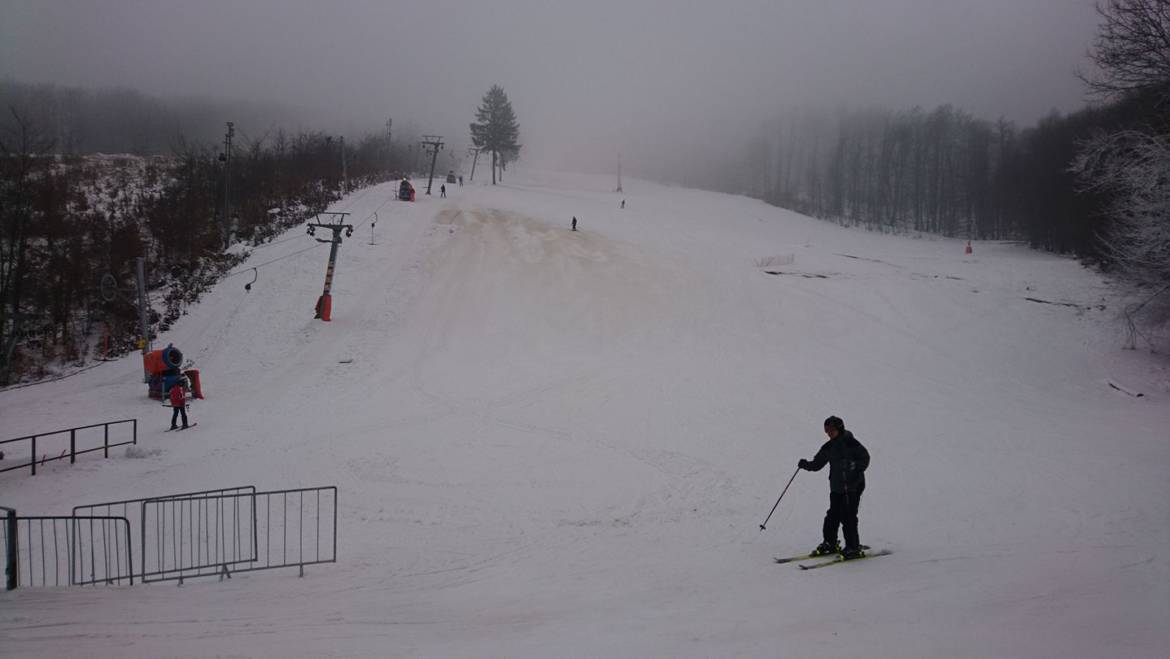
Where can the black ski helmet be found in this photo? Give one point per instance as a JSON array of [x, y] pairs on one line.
[[835, 422]]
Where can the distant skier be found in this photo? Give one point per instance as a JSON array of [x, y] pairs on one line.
[[178, 404], [623, 203], [443, 191], [574, 223], [847, 460]]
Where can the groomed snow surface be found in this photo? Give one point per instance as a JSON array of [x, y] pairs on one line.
[[562, 444]]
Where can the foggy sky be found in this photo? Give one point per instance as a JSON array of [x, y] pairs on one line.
[[586, 78]]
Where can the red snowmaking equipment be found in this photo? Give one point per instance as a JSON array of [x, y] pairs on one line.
[[163, 367], [405, 191]]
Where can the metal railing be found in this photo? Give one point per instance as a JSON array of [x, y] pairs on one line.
[[66, 551], [180, 536], [205, 535], [52, 445], [197, 536], [131, 509]]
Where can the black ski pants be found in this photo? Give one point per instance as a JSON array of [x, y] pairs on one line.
[[181, 409], [842, 511]]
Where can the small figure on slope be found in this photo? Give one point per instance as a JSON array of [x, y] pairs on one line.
[[847, 460], [178, 404]]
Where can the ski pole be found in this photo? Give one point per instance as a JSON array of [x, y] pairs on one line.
[[762, 526]]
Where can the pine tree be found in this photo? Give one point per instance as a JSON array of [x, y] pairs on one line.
[[496, 129]]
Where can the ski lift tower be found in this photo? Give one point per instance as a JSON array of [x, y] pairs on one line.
[[433, 144], [336, 225], [474, 151]]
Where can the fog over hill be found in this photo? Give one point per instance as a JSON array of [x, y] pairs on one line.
[[646, 78]]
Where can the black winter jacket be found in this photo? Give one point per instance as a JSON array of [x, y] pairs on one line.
[[847, 460]]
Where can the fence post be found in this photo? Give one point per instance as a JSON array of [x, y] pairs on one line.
[[10, 555], [142, 536], [34, 455], [73, 446], [106, 440], [129, 554]]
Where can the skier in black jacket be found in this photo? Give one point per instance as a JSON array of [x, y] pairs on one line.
[[847, 460]]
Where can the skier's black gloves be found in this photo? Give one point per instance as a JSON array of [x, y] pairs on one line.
[[803, 464]]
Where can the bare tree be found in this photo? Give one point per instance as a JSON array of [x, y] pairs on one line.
[[1132, 49], [22, 147], [1132, 53], [1131, 166]]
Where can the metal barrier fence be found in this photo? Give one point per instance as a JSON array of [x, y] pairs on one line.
[[66, 551], [53, 446], [180, 536], [132, 509], [197, 536], [204, 535]]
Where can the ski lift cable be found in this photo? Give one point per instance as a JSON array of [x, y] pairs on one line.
[[277, 242], [389, 199], [393, 196], [358, 198], [260, 265]]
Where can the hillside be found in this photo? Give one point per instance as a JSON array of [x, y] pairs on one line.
[[555, 443]]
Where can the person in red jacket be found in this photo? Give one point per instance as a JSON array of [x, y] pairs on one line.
[[178, 404]]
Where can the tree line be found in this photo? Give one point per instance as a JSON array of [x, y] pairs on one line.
[[125, 120], [943, 172]]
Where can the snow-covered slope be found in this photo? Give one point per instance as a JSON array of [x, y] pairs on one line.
[[561, 444]]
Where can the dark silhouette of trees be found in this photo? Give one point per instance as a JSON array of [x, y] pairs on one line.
[[123, 120], [24, 177], [941, 171]]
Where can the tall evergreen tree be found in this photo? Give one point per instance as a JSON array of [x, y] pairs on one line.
[[495, 128]]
